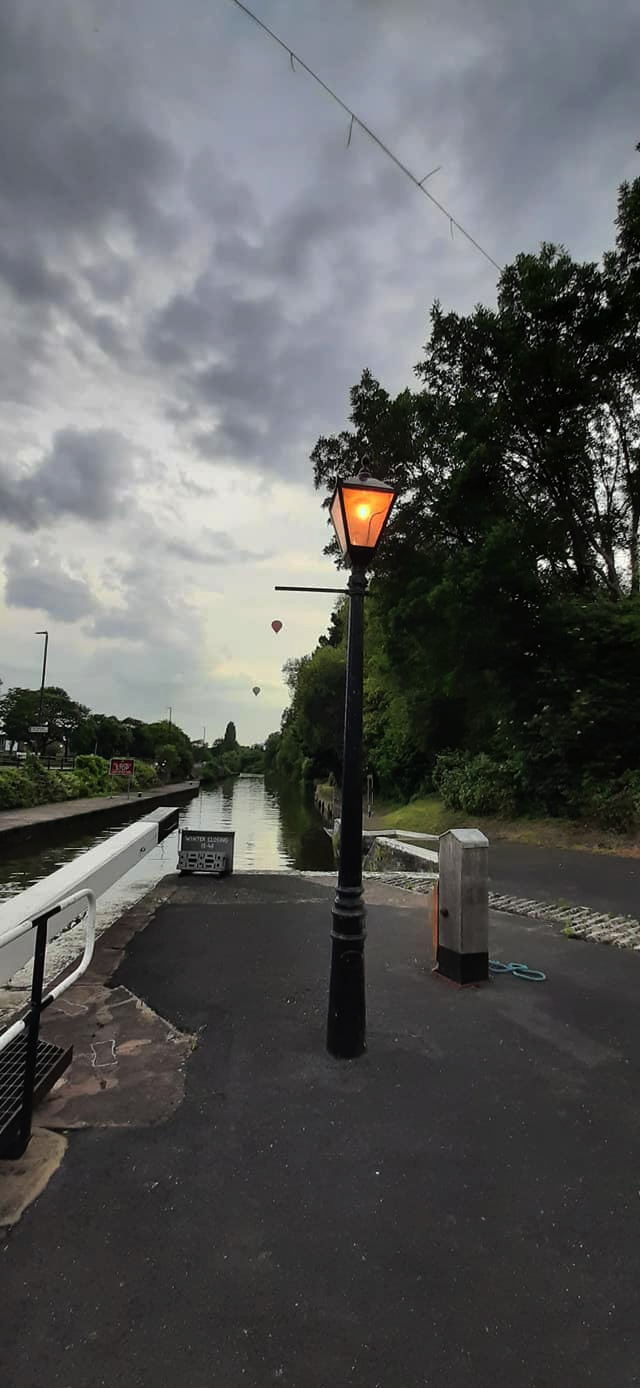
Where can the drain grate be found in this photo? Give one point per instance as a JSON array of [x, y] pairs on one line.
[[51, 1063]]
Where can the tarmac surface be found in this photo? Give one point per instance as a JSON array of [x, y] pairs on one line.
[[460, 1207], [601, 881]]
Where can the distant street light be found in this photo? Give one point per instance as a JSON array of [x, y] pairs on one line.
[[44, 670], [360, 509]]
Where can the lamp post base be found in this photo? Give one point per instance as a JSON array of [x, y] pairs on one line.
[[347, 1018]]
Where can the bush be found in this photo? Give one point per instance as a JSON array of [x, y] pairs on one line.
[[614, 806], [145, 776], [91, 775], [32, 784], [478, 785], [17, 791]]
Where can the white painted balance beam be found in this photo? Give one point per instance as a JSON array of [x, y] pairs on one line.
[[96, 870]]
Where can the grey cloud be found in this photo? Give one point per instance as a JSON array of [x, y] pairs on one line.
[[110, 278], [235, 438], [213, 547], [78, 161], [118, 625], [84, 474], [108, 336], [42, 582], [150, 610], [31, 280], [256, 364], [531, 111], [174, 331], [230, 202], [82, 159]]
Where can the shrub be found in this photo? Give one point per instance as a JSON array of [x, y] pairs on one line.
[[92, 775], [17, 791], [477, 785], [145, 776], [614, 806]]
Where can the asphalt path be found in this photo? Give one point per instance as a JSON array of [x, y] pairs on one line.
[[600, 880], [458, 1207]]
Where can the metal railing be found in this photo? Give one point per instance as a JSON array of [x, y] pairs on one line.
[[55, 761], [29, 921], [30, 1022]]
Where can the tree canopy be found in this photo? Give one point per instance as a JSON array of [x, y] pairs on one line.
[[503, 622]]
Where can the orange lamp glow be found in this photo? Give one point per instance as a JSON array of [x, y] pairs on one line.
[[360, 509]]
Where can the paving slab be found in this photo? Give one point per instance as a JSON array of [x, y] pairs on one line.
[[459, 1207]]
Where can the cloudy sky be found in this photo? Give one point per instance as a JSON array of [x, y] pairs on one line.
[[194, 268]]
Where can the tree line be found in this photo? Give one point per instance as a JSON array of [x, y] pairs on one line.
[[226, 758], [503, 618], [73, 730]]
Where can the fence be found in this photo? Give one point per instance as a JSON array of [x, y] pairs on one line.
[[28, 922], [54, 763]]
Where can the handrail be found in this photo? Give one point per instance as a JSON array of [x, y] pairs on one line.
[[89, 917], [98, 868], [51, 906]]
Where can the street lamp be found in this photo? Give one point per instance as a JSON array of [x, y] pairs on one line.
[[360, 509], [44, 670]]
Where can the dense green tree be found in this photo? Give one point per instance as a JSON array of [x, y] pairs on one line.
[[503, 622], [20, 711], [103, 735], [165, 734]]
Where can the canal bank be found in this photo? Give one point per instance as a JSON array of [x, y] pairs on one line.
[[63, 815], [398, 1220]]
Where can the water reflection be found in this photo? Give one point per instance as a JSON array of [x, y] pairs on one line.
[[299, 822]]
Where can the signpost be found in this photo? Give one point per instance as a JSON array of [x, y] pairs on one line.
[[44, 728], [203, 850], [123, 766]]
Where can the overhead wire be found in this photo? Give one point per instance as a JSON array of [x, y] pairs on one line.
[[356, 120]]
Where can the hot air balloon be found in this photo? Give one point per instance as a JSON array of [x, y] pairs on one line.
[[256, 689], [277, 626]]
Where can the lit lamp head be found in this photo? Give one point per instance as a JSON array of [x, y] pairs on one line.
[[360, 509]]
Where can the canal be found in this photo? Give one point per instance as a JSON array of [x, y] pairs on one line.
[[276, 828]]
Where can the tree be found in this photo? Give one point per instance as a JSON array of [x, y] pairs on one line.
[[168, 759], [104, 735], [163, 734], [230, 738], [20, 711], [504, 618]]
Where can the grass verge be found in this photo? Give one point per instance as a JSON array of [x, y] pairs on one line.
[[429, 816]]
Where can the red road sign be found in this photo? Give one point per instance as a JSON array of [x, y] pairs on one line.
[[122, 766]]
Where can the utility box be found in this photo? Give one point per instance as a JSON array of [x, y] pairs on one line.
[[204, 850], [463, 906]]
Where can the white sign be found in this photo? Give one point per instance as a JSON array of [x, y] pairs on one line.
[[45, 729]]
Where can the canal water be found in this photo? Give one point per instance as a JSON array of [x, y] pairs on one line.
[[276, 828]]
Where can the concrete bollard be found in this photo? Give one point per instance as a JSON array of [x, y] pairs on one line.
[[463, 906]]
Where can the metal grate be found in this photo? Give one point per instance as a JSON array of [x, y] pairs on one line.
[[51, 1063]]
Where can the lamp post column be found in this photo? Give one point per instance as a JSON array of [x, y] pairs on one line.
[[346, 1025], [44, 671]]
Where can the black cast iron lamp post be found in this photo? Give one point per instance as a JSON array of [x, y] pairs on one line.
[[360, 509]]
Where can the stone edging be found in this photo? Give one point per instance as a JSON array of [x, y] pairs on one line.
[[579, 922]]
